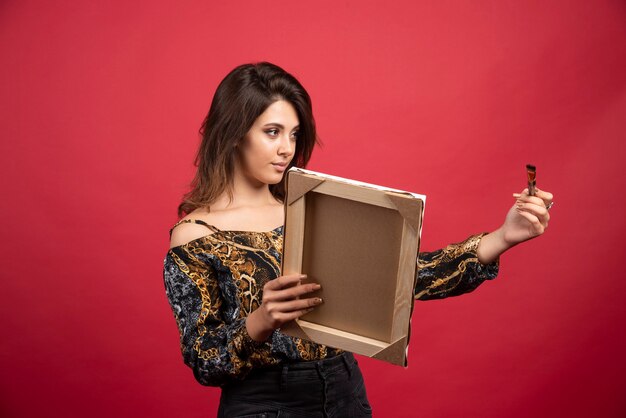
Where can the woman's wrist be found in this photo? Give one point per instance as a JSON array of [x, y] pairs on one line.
[[256, 328], [491, 246]]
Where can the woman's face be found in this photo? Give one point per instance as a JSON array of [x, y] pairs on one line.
[[270, 144]]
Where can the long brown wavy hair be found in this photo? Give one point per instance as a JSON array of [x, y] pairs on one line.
[[240, 98]]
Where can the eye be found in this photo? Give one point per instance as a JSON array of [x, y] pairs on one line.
[[295, 135], [272, 132]]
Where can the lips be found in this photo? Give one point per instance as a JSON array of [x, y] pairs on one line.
[[280, 166]]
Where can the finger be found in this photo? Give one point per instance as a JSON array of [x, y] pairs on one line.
[[292, 292], [531, 199], [290, 316], [298, 305], [547, 197], [522, 193], [539, 210], [544, 195], [284, 281], [536, 224]]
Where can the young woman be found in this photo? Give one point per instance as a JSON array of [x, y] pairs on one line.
[[222, 270]]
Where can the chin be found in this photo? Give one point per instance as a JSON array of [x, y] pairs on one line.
[[270, 179], [275, 180]]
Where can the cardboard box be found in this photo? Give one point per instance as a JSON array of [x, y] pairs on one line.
[[360, 242]]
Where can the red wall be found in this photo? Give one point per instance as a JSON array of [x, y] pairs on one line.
[[100, 107]]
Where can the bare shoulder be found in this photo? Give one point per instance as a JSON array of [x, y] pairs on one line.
[[188, 231]]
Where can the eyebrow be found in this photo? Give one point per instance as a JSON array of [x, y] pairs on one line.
[[279, 125]]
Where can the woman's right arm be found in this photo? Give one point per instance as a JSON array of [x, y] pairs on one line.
[[213, 339], [218, 342]]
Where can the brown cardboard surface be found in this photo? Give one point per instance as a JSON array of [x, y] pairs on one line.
[[351, 257], [360, 243]]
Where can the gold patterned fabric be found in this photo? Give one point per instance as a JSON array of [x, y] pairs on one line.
[[214, 282], [453, 270]]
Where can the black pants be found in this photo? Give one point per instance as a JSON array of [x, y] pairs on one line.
[[326, 388]]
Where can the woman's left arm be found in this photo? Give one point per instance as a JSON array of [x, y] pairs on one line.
[[461, 267]]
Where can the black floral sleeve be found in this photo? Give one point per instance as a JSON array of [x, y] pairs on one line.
[[452, 271], [214, 341]]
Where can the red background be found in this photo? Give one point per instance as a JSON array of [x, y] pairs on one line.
[[101, 103]]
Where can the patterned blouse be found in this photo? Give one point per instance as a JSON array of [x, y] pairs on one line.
[[213, 283]]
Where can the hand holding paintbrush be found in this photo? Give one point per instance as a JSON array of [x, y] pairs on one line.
[[527, 219], [532, 205]]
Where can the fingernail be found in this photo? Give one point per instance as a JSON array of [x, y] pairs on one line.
[[317, 286], [303, 276], [320, 300]]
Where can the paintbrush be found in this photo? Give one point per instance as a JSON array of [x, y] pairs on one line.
[[531, 171]]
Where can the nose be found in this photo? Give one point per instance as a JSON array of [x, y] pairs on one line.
[[286, 147]]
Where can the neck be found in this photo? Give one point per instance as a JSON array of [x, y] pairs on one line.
[[246, 193]]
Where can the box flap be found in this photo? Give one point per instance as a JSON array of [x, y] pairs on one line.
[[301, 185], [409, 207], [395, 353]]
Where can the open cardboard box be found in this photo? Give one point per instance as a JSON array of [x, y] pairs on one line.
[[360, 242]]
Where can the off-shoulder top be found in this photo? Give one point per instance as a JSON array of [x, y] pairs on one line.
[[214, 282]]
